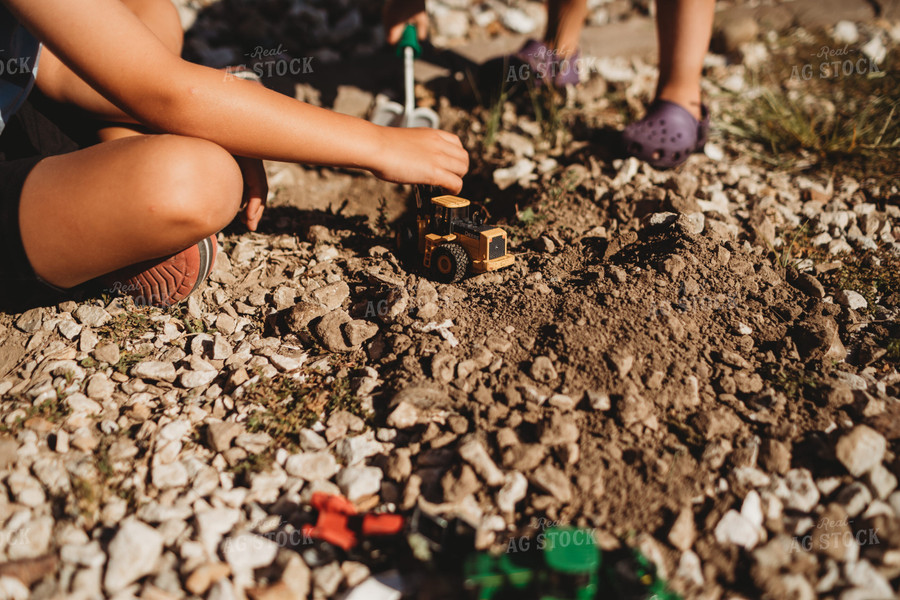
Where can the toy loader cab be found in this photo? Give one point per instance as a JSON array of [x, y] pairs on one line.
[[452, 243]]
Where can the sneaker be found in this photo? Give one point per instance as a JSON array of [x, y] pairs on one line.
[[166, 281]]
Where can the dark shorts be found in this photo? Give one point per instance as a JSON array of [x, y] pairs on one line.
[[29, 137]]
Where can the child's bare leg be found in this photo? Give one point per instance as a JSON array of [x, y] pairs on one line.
[[684, 28], [94, 211], [61, 84], [565, 20]]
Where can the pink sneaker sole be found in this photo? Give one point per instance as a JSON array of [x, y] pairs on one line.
[[166, 281]]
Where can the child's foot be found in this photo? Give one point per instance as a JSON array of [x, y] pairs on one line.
[[165, 281], [546, 64], [667, 134]]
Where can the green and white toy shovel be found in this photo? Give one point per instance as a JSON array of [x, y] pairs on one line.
[[395, 114]]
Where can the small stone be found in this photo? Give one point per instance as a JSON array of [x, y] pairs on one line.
[[553, 481], [311, 441], [359, 482], [356, 449], [562, 402], [852, 300], [358, 331], [204, 576], [542, 370], [247, 551], [404, 416], [775, 456], [311, 466], [736, 529], [799, 491], [512, 492], [861, 450], [219, 434], [881, 481], [475, 454], [197, 379], [133, 553], [809, 285], [332, 296], [172, 475], [287, 364], [683, 532], [107, 352], [854, 498], [62, 442], [30, 320], [154, 370], [599, 401], [545, 244], [299, 317], [845, 32], [330, 333], [92, 316]]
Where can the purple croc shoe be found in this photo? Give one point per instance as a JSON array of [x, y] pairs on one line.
[[667, 134], [545, 64]]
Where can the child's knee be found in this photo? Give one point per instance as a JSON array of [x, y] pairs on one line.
[[201, 187]]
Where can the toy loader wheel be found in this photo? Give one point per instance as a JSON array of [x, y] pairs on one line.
[[449, 263]]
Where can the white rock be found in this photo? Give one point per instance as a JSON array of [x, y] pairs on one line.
[[751, 509], [25, 489], [196, 379], [173, 475], [311, 466], [513, 491], [875, 49], [404, 416], [854, 498], [13, 589], [518, 21], [862, 574], [734, 528], [689, 568], [358, 482], [311, 441], [882, 481], [92, 316], [845, 32], [247, 551], [356, 449], [861, 450], [798, 490], [86, 555], [287, 364], [154, 370], [133, 553], [213, 524], [851, 299], [473, 452], [31, 539], [522, 172]]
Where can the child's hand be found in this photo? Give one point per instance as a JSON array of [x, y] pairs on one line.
[[421, 155], [397, 13], [256, 190]]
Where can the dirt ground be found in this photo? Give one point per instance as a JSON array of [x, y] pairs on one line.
[[700, 363]]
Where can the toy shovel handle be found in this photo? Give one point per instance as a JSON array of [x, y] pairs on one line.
[[409, 39]]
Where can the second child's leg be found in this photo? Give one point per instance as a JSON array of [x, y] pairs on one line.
[[565, 21], [684, 28]]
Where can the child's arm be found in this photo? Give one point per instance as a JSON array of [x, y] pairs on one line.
[[108, 46]]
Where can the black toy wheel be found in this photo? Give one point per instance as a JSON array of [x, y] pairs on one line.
[[449, 263]]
